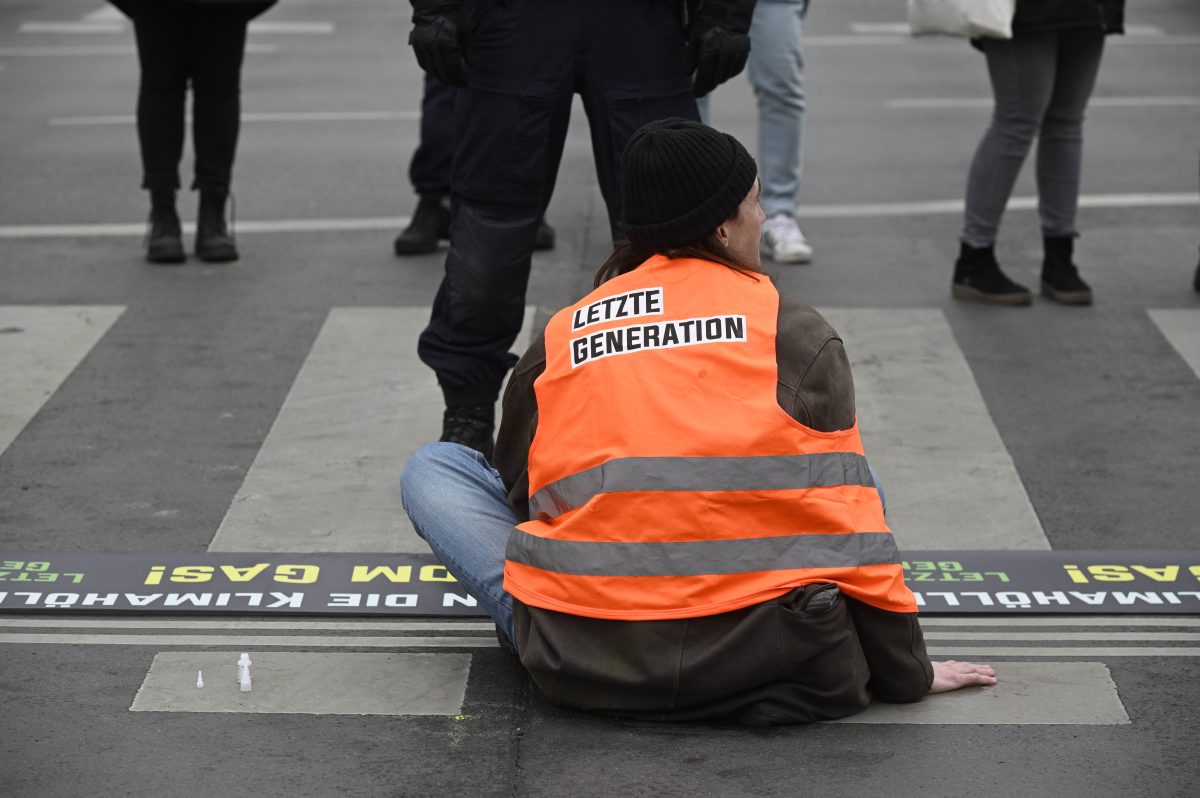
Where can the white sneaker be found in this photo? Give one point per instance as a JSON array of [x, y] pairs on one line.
[[783, 242]]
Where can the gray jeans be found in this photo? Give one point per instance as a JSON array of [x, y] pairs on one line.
[[1041, 83]]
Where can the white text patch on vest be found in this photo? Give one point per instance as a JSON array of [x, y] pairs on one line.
[[659, 335], [631, 304]]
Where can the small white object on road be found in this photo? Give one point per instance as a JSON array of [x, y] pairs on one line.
[[199, 678], [244, 667]]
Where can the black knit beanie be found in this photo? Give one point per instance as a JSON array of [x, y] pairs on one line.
[[680, 180]]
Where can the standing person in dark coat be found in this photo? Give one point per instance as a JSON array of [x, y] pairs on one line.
[[1041, 78], [201, 43], [518, 66]]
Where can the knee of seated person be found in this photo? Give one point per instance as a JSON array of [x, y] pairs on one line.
[[420, 473]]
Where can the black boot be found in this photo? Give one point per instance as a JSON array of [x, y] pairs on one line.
[[214, 241], [1060, 277], [430, 223], [164, 238], [545, 236], [470, 426], [977, 277]]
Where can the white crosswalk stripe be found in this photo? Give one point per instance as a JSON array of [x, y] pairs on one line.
[[946, 637], [929, 436], [1181, 326], [39, 348], [326, 477]]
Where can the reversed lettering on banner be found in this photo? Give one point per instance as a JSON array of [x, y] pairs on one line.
[[944, 582]]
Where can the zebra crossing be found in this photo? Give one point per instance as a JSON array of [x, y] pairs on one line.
[[324, 480]]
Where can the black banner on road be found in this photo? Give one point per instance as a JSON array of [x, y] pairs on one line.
[[1142, 582], [237, 584]]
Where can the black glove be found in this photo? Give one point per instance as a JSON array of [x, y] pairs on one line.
[[437, 41], [719, 54]]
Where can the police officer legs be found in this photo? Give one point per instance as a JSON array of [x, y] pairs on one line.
[[630, 62], [429, 171]]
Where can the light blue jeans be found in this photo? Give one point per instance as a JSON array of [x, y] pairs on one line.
[[776, 70], [458, 505]]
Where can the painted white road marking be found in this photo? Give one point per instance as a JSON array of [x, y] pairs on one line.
[[391, 223], [1073, 620], [949, 480], [238, 626], [1095, 102], [1181, 326], [39, 348], [344, 625], [94, 23], [115, 26], [105, 13], [938, 207], [903, 29], [1071, 637], [286, 28], [1062, 651], [951, 44], [355, 624], [322, 683], [327, 476], [254, 48], [252, 116], [249, 642], [1051, 693], [824, 211], [880, 28]]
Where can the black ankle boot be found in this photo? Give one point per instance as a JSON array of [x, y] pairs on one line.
[[164, 239], [977, 277], [430, 223], [164, 234], [214, 241], [545, 236], [1060, 277], [470, 426]]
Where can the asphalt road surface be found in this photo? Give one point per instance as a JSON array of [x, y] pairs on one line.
[[269, 406]]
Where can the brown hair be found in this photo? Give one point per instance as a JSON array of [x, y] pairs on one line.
[[626, 257]]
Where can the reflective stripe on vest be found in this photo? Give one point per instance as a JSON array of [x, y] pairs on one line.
[[665, 480], [780, 472], [697, 558]]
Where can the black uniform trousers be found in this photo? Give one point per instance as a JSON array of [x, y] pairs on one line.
[[429, 169], [629, 62], [201, 44]]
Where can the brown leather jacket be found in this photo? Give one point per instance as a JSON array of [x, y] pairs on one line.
[[810, 655]]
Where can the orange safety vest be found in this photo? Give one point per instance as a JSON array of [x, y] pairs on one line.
[[665, 481]]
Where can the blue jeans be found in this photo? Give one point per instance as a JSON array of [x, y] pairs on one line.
[[458, 505], [776, 70]]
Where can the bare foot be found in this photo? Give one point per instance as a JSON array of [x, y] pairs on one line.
[[951, 675]]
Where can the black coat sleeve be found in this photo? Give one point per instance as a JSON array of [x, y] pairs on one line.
[[895, 649]]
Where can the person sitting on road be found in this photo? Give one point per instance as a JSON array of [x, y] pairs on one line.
[[683, 524]]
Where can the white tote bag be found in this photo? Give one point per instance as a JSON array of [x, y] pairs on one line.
[[990, 19]]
